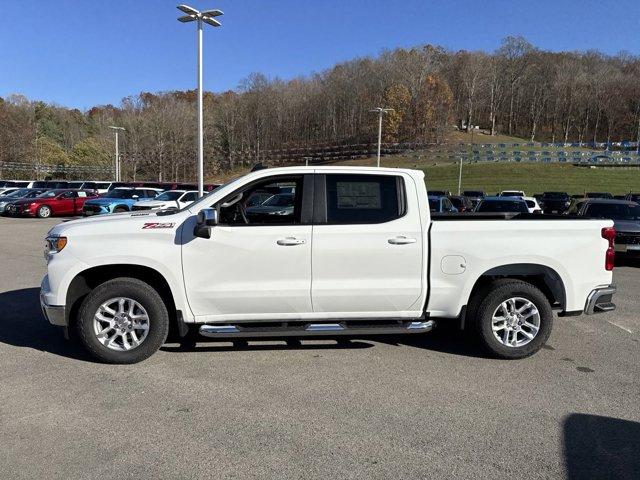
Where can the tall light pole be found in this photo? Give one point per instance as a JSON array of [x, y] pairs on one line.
[[206, 16], [380, 111], [117, 162]]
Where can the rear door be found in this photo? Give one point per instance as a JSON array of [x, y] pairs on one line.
[[367, 250]]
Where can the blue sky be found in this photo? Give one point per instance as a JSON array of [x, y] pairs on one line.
[[82, 53]]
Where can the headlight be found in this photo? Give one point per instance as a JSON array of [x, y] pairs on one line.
[[54, 244]]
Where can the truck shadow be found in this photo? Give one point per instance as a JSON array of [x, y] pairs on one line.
[[23, 325], [600, 447]]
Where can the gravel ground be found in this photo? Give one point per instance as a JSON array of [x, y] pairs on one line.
[[420, 407]]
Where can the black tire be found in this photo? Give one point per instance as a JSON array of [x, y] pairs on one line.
[[136, 290], [496, 294], [44, 211], [120, 210]]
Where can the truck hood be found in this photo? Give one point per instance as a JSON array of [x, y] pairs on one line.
[[112, 221]]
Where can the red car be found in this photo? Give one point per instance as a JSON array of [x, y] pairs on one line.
[[52, 202]]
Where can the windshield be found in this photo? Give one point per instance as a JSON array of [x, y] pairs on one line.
[[168, 196], [502, 206], [279, 200], [614, 211], [511, 193], [121, 193]]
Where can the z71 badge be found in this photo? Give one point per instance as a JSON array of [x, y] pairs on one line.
[[157, 225]]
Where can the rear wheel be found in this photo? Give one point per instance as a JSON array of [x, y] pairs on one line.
[[43, 211], [514, 319], [124, 320]]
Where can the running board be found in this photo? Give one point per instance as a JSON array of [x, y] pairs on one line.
[[299, 329]]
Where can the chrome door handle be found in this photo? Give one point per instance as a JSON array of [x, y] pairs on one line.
[[291, 241], [401, 240]]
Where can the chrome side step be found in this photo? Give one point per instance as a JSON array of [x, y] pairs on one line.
[[301, 329]]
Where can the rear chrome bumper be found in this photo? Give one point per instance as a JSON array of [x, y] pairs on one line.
[[600, 300]]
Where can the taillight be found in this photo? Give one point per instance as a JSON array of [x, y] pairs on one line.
[[609, 233]]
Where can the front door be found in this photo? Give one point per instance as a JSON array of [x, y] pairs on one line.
[[368, 249], [65, 203], [257, 263]]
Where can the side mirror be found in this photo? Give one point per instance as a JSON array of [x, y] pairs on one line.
[[207, 218]]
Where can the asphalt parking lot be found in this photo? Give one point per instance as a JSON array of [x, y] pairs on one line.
[[423, 407]]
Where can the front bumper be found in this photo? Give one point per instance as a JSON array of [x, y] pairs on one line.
[[600, 300], [55, 314]]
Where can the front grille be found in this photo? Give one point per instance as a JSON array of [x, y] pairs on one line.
[[624, 238]]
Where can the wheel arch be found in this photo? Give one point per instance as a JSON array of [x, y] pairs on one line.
[[542, 276], [86, 280]]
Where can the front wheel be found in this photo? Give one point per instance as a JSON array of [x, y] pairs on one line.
[[514, 320], [44, 211], [123, 321]]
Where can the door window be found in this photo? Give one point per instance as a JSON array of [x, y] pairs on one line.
[[364, 198], [68, 195], [271, 202]]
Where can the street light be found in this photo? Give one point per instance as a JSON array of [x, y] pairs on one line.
[[117, 163], [207, 17], [380, 111]]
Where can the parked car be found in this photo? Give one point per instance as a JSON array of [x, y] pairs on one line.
[[100, 187], [441, 204], [462, 203], [626, 221], [599, 195], [511, 193], [505, 204], [621, 197], [118, 200], [440, 193], [50, 203], [555, 202], [19, 194], [381, 264], [532, 205], [177, 199]]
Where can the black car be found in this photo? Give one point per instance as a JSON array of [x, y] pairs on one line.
[[502, 205], [632, 197], [555, 202], [439, 193], [626, 220]]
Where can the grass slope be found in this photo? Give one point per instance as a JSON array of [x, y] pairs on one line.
[[533, 178]]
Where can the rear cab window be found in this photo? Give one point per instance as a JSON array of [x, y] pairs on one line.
[[353, 198]]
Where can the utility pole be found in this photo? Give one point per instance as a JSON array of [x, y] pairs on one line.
[[117, 160], [461, 157], [380, 111], [207, 17]]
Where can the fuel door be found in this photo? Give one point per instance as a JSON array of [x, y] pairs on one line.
[[453, 264]]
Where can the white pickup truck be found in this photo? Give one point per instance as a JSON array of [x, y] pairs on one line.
[[321, 251]]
